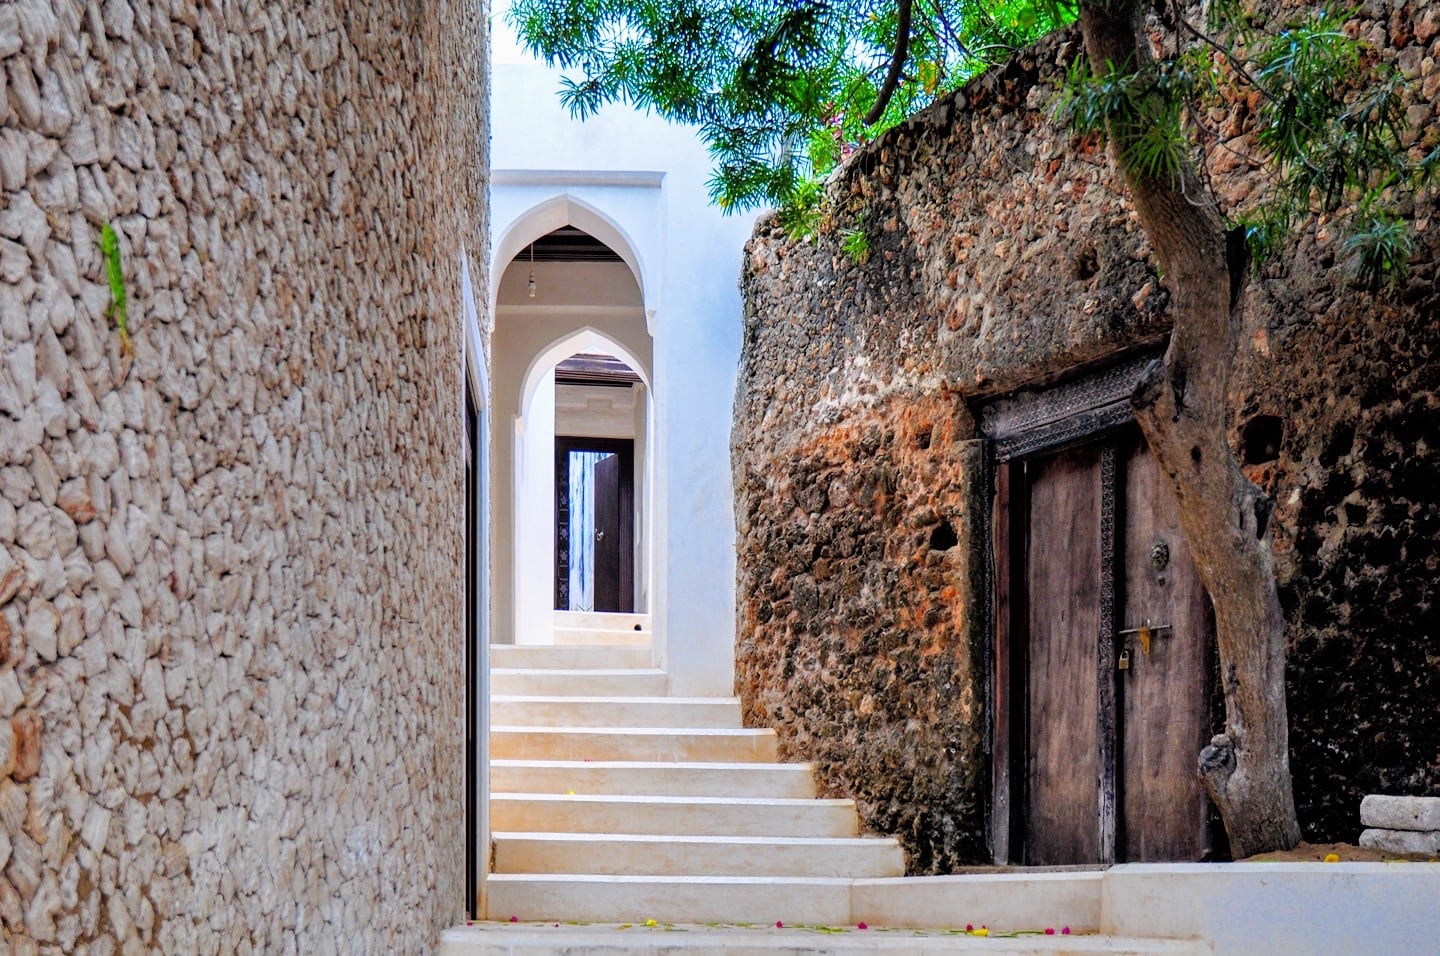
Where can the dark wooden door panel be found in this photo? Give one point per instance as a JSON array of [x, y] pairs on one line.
[[607, 534], [1062, 582], [1165, 693], [613, 568]]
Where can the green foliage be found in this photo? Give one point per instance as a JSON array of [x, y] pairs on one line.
[[1265, 232], [115, 275], [804, 215], [1332, 128], [1329, 126], [1143, 107], [1382, 244], [779, 88], [855, 243]]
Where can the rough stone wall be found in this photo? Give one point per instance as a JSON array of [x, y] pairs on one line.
[[231, 692], [854, 621], [1354, 385], [1002, 253]]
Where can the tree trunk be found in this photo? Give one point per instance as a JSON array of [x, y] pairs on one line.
[[1182, 408]]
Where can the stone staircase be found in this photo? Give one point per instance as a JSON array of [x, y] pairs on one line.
[[612, 801], [626, 822]]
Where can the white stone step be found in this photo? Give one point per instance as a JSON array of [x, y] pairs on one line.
[[1009, 900], [765, 939], [700, 899], [596, 637], [558, 682], [794, 780], [634, 743], [531, 656], [699, 816], [642, 854], [602, 620], [690, 712]]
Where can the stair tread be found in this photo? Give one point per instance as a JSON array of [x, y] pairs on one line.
[[680, 801], [638, 731], [673, 939], [651, 879], [683, 765], [597, 699], [581, 671], [551, 836]]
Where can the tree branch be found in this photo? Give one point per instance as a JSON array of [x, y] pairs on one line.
[[897, 63]]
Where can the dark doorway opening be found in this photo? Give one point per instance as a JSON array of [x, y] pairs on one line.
[[594, 524], [473, 565]]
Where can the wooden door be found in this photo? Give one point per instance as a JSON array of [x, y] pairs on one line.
[[1165, 693], [613, 527], [1110, 718], [1062, 580], [607, 534]]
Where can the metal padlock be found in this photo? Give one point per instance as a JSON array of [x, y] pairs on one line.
[[1122, 663]]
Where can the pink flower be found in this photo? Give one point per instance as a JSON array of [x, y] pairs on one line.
[[861, 926], [1065, 931], [779, 924], [514, 919], [1049, 931]]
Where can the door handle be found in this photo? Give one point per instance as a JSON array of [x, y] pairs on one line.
[[599, 536], [1144, 632]]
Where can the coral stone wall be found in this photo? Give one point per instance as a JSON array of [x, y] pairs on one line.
[[231, 679], [855, 625], [1002, 253], [1355, 384]]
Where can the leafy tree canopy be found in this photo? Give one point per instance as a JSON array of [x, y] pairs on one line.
[[783, 90]]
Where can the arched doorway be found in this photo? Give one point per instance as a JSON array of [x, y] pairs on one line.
[[572, 355]]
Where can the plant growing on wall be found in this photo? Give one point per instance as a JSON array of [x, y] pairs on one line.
[[782, 91], [115, 277]]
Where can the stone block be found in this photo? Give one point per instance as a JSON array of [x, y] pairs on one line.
[[1400, 813], [1402, 841], [1278, 909]]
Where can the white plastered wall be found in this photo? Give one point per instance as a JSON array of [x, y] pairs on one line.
[[638, 184]]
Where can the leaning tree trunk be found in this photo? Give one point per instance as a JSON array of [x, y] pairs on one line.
[[1182, 406]]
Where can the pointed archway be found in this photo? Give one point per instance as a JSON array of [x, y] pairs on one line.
[[562, 293]]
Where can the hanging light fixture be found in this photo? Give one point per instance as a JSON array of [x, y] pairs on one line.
[[531, 287]]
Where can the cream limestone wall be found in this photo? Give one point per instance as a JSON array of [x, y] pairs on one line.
[[231, 672]]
